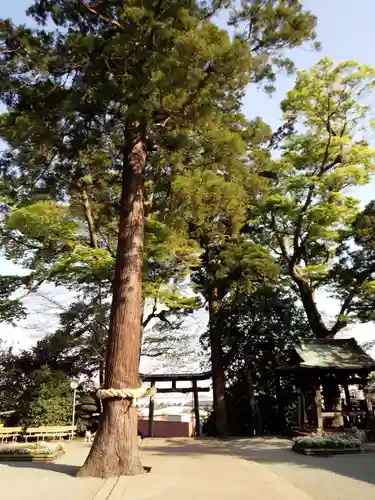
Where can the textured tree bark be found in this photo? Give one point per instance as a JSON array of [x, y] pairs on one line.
[[115, 449], [218, 374], [196, 409], [313, 315]]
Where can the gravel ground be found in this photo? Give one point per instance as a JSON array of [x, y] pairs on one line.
[[344, 477]]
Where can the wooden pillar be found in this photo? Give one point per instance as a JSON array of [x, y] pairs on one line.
[[338, 420], [319, 411], [151, 407], [196, 409]]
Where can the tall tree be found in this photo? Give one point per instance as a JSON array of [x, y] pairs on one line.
[[229, 262], [119, 89], [308, 218], [214, 206], [258, 330]]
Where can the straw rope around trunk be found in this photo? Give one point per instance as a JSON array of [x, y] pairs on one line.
[[133, 394]]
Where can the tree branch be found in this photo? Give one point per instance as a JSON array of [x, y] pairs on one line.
[[342, 323], [92, 10], [31, 289], [215, 8], [107, 245], [280, 240], [89, 218], [151, 316], [157, 354]]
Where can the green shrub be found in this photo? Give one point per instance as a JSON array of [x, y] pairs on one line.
[[87, 400], [32, 449], [89, 408], [87, 411], [48, 400], [337, 441]]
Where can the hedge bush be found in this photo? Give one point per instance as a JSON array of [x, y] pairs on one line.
[[40, 448], [337, 442]]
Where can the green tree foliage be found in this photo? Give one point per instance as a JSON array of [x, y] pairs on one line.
[[39, 233], [122, 97], [48, 399], [261, 328], [308, 218], [14, 379], [355, 271], [12, 290], [214, 205]]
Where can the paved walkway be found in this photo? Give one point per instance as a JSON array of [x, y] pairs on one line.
[[263, 469], [344, 477]]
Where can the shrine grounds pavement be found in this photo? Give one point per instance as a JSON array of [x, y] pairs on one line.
[[207, 469]]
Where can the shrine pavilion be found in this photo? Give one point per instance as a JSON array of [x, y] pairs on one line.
[[323, 370]]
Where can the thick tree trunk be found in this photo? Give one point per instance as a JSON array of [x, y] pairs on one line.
[[318, 328], [218, 373], [115, 449], [313, 315]]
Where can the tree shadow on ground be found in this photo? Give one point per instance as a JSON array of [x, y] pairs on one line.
[[62, 465], [275, 454], [69, 470], [272, 452]]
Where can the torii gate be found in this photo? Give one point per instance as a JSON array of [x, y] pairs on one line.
[[186, 377]]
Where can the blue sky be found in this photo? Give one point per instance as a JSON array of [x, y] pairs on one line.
[[346, 31]]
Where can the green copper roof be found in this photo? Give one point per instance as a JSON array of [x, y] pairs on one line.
[[329, 354], [333, 353]]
